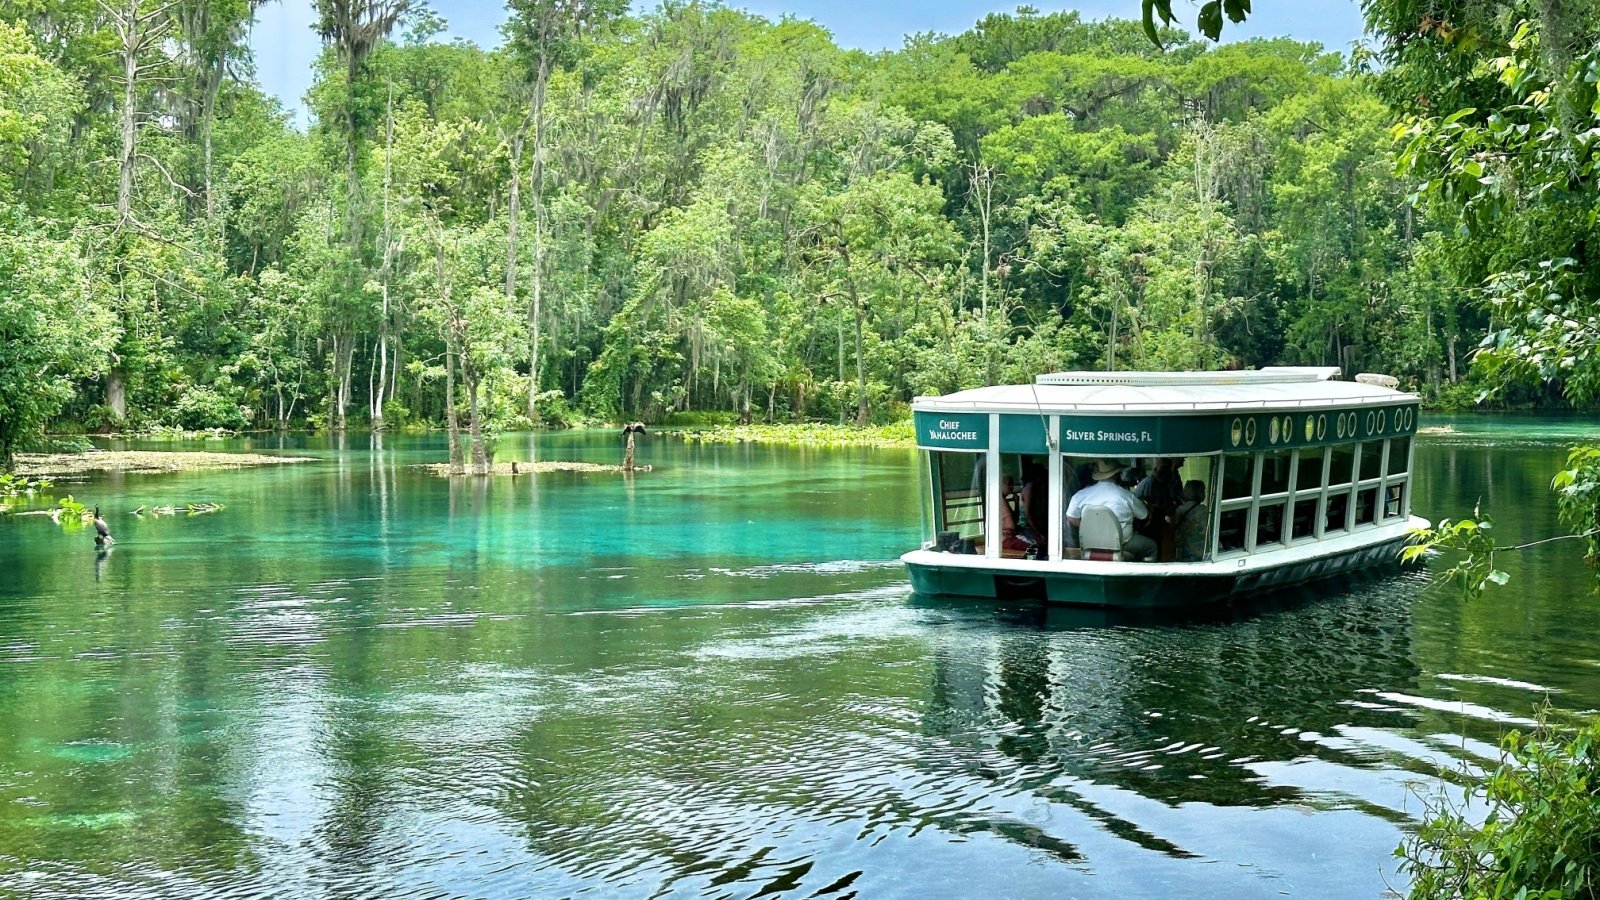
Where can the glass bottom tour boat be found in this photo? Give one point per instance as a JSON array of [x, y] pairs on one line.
[[1156, 489]]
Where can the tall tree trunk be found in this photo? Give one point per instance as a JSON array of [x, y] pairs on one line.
[[862, 413], [129, 26], [376, 394], [451, 349], [116, 395], [861, 369], [452, 425], [208, 117], [535, 306]]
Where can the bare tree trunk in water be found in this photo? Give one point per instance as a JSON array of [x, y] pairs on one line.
[[333, 379], [347, 352], [627, 454], [452, 426], [480, 453], [862, 413]]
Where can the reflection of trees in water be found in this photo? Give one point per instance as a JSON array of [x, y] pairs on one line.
[[1172, 709]]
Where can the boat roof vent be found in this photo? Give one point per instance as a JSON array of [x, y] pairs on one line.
[[1270, 375]]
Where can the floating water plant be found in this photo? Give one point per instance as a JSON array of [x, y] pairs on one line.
[[193, 509]]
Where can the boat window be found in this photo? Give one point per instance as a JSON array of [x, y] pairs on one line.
[[1366, 506], [1230, 529], [1238, 471], [1340, 459], [1305, 518], [1392, 493], [1275, 471], [1338, 512], [1269, 525], [1077, 473], [1181, 525], [1371, 460], [1025, 499], [1309, 476], [958, 483], [1399, 454]]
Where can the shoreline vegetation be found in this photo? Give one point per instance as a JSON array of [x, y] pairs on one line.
[[59, 464], [892, 436]]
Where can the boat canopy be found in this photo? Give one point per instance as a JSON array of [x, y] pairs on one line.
[[1165, 413]]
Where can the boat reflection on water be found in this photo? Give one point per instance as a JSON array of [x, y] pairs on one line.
[[1272, 703]]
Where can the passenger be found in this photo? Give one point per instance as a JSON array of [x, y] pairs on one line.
[[1162, 489], [1011, 537], [1123, 504], [1190, 522]]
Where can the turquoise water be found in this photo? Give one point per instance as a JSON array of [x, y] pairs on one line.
[[712, 680]]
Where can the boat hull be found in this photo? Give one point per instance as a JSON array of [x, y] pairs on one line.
[[1138, 585]]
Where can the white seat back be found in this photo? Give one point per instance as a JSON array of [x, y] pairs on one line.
[[1100, 529]]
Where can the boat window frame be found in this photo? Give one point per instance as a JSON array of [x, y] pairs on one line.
[[1317, 494], [1358, 485], [1247, 503], [1322, 493], [1401, 479], [936, 496], [1283, 499]]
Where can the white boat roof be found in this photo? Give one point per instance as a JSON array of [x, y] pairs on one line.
[[1286, 387]]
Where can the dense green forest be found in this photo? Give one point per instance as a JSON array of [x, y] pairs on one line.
[[697, 209]]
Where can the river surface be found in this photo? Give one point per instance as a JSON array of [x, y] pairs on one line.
[[713, 680]]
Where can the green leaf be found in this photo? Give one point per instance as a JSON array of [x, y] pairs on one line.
[[1210, 20], [1499, 577], [1150, 22]]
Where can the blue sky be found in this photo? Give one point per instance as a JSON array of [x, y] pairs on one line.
[[285, 45]]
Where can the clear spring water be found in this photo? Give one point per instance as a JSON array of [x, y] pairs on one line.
[[713, 680]]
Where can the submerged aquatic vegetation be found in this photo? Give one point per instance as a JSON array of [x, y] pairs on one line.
[[144, 461]]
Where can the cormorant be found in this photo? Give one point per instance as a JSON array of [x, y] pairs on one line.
[[102, 531], [628, 431]]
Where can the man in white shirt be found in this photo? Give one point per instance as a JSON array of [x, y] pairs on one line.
[[1123, 504]]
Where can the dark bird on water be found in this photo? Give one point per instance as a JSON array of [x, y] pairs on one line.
[[102, 531]]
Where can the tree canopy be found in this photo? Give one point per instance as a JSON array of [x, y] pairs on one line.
[[698, 210]]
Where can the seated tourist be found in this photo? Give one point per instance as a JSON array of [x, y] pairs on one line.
[[1011, 537], [1107, 492]]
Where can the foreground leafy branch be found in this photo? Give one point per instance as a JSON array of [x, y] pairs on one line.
[[1540, 832], [1577, 489]]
